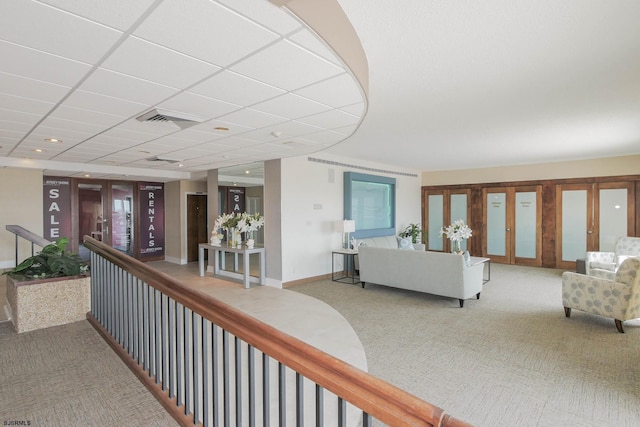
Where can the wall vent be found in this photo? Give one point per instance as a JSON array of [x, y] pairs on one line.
[[182, 120]]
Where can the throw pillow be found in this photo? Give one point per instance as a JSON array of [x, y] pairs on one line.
[[404, 243], [467, 258]]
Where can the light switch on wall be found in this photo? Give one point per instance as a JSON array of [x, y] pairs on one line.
[[317, 206]]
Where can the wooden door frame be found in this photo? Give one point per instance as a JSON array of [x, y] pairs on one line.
[[537, 261], [187, 242], [506, 259], [591, 231]]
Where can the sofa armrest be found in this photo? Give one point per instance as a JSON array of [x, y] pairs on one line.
[[602, 258], [596, 295]]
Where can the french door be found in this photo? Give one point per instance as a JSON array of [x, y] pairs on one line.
[[512, 219], [591, 217], [105, 212], [441, 209]]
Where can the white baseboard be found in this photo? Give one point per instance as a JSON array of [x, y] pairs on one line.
[[175, 260]]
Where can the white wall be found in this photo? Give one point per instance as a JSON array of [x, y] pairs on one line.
[[312, 208], [21, 204]]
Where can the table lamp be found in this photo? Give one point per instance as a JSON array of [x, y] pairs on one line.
[[348, 227]]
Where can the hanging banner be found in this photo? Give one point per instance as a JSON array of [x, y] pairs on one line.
[[151, 219], [236, 200], [57, 208]]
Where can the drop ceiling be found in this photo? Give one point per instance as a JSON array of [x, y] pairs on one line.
[[452, 85], [256, 82]]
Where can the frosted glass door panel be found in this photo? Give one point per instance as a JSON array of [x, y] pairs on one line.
[[436, 213], [526, 224], [574, 224], [459, 211], [496, 224], [613, 217]]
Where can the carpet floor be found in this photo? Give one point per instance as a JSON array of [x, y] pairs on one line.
[[508, 359]]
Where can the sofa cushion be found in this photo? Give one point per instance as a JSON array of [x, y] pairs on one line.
[[604, 265], [404, 243]]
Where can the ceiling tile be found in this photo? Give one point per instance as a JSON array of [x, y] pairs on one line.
[[42, 66], [198, 105], [152, 62], [207, 31], [291, 106], [13, 126], [287, 66], [355, 109], [120, 14], [266, 13], [307, 39], [81, 115], [235, 88], [25, 105], [66, 35], [331, 119], [29, 88], [296, 128], [63, 124], [249, 117], [19, 116], [337, 92], [104, 104], [122, 86]]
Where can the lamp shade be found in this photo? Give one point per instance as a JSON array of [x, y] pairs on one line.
[[349, 226]]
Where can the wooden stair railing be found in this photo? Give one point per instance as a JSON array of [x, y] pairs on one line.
[[28, 236], [114, 309]]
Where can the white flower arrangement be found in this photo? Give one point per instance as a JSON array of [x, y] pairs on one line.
[[242, 222], [456, 232]]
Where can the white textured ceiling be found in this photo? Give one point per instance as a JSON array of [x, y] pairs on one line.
[[82, 71], [452, 84], [469, 84]]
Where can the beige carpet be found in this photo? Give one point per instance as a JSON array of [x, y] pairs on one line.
[[508, 359], [69, 376]]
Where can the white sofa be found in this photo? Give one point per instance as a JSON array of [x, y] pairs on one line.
[[435, 273]]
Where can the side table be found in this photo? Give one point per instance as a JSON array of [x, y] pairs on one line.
[[348, 265]]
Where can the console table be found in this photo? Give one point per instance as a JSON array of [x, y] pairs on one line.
[[219, 251], [479, 260]]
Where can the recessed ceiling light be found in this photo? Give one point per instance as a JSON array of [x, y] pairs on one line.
[[39, 150], [246, 172], [86, 175], [52, 140], [221, 128], [276, 133], [180, 165]]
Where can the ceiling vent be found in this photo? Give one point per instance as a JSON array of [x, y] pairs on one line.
[[182, 120], [165, 158]]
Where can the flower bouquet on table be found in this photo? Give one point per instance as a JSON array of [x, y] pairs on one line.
[[235, 224], [250, 223], [456, 232]]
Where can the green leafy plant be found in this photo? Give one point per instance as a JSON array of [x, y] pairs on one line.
[[52, 261], [413, 231]]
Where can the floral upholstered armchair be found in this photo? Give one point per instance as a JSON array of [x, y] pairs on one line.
[[618, 299], [605, 264]]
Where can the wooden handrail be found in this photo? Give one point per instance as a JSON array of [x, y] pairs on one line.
[[387, 403], [28, 235]]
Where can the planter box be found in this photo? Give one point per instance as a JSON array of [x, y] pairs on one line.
[[39, 304]]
